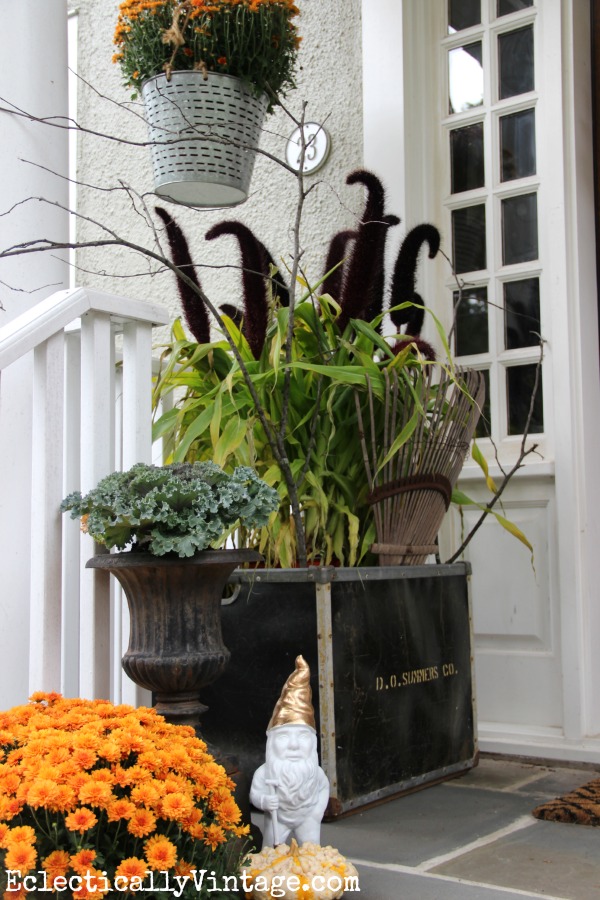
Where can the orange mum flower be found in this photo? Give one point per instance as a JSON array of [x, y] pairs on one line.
[[142, 822], [56, 864], [176, 806], [213, 836], [183, 868], [160, 853], [19, 894], [82, 860], [84, 757], [192, 818], [10, 807], [145, 794], [104, 775], [10, 782], [22, 857], [65, 798], [41, 793], [21, 834], [132, 867], [81, 820], [196, 831], [120, 809], [96, 793]]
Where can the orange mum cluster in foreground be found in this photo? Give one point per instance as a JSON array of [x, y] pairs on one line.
[[87, 787]]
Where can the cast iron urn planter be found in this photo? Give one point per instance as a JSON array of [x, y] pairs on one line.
[[175, 643]]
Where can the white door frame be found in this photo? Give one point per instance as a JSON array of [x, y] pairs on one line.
[[398, 145]]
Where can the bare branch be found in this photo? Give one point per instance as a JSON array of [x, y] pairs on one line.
[[524, 452]]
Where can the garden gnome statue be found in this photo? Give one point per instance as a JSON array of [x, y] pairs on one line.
[[291, 787]]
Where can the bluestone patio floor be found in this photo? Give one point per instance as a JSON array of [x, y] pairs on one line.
[[474, 838]]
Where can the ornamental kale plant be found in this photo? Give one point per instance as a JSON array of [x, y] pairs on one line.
[[180, 508]]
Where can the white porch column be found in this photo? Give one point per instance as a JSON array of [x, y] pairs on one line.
[[33, 78]]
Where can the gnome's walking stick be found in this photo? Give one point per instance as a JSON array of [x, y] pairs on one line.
[[272, 782]]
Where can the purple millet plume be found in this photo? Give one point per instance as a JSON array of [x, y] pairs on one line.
[[338, 250], [255, 273], [194, 310], [378, 285], [363, 281], [403, 281], [234, 313], [424, 348]]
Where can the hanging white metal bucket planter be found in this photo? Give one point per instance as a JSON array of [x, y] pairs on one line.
[[204, 131]]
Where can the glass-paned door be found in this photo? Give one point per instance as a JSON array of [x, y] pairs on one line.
[[493, 205]]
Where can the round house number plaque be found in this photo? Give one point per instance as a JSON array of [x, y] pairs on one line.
[[318, 144]]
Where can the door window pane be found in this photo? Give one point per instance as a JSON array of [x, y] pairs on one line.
[[505, 7], [522, 326], [465, 77], [515, 53], [519, 229], [471, 316], [468, 239], [517, 145], [520, 381], [463, 14], [466, 152], [484, 426]]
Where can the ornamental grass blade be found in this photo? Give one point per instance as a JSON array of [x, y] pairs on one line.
[[482, 463], [197, 428], [400, 440], [215, 422], [353, 524], [231, 438], [462, 499], [343, 374], [165, 424], [369, 332]]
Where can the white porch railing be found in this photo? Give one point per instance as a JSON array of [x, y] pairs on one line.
[[91, 415]]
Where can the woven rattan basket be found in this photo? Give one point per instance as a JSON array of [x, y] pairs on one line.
[[204, 131]]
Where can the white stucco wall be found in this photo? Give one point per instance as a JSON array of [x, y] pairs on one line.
[[330, 64]]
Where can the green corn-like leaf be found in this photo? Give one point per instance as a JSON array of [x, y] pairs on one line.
[[215, 422], [400, 440], [232, 436], [482, 463], [195, 430], [461, 499], [374, 337]]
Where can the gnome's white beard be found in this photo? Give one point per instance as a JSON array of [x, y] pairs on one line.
[[296, 780]]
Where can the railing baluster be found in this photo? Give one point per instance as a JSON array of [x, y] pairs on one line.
[[73, 622], [137, 447], [71, 529], [97, 460], [46, 491]]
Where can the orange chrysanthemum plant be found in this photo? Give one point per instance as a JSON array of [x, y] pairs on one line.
[[255, 40], [100, 800]]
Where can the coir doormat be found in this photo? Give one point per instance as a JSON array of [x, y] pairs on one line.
[[581, 807]]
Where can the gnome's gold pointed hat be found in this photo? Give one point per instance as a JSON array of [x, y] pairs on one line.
[[294, 707]]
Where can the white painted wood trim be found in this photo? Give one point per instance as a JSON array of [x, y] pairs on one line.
[[383, 101], [71, 527], [136, 447], [97, 460], [46, 492], [36, 325]]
